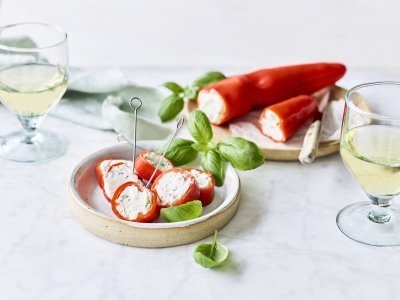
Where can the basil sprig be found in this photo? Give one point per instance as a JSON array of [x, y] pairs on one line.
[[173, 104], [240, 153], [211, 255], [187, 211]]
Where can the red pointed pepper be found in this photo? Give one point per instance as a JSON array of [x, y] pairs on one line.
[[281, 121], [237, 95]]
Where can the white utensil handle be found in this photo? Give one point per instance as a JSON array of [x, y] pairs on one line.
[[310, 143]]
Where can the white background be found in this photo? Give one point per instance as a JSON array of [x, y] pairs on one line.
[[225, 33]]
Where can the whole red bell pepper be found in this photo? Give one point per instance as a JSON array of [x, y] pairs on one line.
[[235, 96], [134, 202], [280, 121]]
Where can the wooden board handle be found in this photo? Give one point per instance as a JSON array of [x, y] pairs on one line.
[[310, 143]]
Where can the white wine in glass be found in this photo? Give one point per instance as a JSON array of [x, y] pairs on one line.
[[370, 149], [33, 78]]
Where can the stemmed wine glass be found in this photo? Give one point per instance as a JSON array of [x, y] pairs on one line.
[[33, 78], [370, 149]]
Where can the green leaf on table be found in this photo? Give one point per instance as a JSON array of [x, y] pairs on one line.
[[211, 255], [170, 107], [241, 153], [173, 87], [208, 78], [181, 152], [199, 126], [214, 163], [187, 211]]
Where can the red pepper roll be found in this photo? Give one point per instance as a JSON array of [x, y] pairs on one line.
[[134, 202], [175, 187], [103, 166], [146, 163], [281, 121], [206, 184], [235, 96], [117, 173]]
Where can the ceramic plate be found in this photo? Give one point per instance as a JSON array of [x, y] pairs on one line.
[[94, 212]]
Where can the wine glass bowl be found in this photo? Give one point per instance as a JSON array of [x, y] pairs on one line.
[[33, 78], [370, 149]]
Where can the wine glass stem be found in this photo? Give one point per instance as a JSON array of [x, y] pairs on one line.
[[30, 125], [380, 209]]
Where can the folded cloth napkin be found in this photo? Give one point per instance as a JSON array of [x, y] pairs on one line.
[[99, 98]]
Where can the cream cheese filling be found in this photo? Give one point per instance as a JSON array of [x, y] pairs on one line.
[[203, 179], [132, 202], [211, 103], [270, 126], [171, 187], [105, 164], [117, 176], [153, 158]]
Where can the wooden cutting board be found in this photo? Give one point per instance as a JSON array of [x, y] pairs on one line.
[[325, 148]]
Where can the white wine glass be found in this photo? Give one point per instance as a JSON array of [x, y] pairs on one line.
[[370, 149], [33, 78]]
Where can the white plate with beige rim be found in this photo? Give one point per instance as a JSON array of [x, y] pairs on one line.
[[94, 212]]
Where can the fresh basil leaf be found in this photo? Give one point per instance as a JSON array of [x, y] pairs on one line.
[[211, 255], [199, 126], [216, 165], [181, 152], [187, 211], [173, 87], [241, 153], [208, 78], [170, 107]]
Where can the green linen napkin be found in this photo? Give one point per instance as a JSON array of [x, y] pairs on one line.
[[99, 98]]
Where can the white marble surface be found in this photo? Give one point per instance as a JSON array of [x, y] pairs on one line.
[[284, 242]]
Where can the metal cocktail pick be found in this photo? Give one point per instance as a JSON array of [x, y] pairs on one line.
[[135, 108], [178, 126]]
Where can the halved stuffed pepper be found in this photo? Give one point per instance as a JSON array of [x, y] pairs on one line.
[[175, 187], [116, 175], [146, 163], [134, 202], [282, 120], [206, 183]]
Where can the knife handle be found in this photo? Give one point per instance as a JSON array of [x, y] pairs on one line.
[[310, 143]]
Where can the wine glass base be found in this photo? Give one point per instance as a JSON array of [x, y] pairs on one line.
[[44, 146], [354, 222]]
